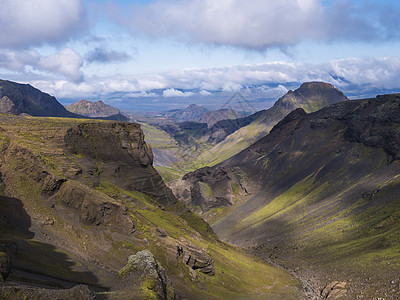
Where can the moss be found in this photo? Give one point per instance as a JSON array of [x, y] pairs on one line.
[[235, 188], [147, 288], [205, 189]]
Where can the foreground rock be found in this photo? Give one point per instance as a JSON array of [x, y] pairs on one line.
[[5, 266], [334, 290], [79, 292], [143, 277], [196, 259]]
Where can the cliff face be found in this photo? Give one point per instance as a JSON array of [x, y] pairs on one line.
[[79, 197], [18, 98]]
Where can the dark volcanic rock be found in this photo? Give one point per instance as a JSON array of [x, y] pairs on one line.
[[123, 153], [377, 125], [18, 98], [196, 259], [5, 265]]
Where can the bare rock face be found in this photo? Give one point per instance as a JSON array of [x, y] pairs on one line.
[[143, 277], [196, 259], [107, 142], [5, 265], [94, 208], [334, 290]]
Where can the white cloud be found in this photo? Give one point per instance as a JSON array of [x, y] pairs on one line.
[[26, 23], [140, 95], [259, 24], [204, 93], [176, 93], [374, 72], [66, 63]]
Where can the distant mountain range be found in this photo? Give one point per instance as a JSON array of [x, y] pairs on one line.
[[17, 99], [202, 145]]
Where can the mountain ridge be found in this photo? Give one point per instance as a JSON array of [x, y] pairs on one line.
[[316, 193], [16, 98]]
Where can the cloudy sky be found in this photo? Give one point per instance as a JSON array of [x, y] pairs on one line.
[[152, 50]]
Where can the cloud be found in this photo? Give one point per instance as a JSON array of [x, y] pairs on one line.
[[140, 95], [176, 93], [259, 24], [380, 73], [101, 55], [34, 22], [66, 62], [204, 93]]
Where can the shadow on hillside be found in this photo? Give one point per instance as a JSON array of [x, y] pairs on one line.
[[33, 261]]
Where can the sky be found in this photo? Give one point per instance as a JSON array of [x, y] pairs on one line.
[[141, 53]]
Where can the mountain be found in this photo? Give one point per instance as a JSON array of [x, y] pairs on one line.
[[318, 195], [202, 146], [190, 113], [18, 99], [83, 213], [96, 110], [231, 137], [93, 110], [213, 116]]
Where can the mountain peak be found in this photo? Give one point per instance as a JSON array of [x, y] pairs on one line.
[[311, 96], [17, 98], [93, 110]]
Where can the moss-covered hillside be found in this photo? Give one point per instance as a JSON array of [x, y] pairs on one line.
[[78, 197]]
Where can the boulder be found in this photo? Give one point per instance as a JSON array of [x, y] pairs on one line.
[[334, 290], [143, 277], [5, 266], [196, 259]]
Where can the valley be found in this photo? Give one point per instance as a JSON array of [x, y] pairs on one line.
[[81, 196], [298, 201]]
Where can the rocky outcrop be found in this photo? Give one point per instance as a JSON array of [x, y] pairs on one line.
[[109, 142], [377, 125], [117, 151], [143, 277], [5, 265], [94, 208], [208, 189], [18, 98], [334, 290], [196, 259]]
